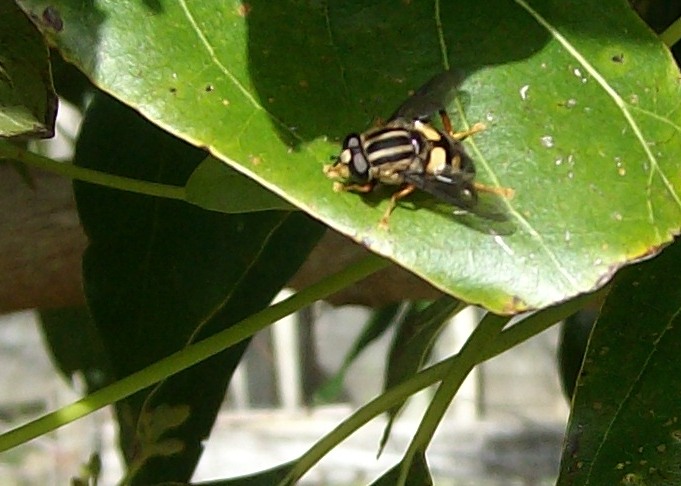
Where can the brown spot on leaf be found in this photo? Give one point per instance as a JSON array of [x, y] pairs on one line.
[[515, 306], [244, 9], [52, 18]]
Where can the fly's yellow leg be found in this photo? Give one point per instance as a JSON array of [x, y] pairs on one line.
[[383, 224], [447, 125], [505, 192], [361, 188]]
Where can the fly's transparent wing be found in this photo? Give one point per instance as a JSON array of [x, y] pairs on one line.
[[435, 95], [457, 189], [454, 189]]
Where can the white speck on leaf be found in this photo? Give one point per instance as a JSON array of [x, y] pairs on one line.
[[547, 141], [523, 92]]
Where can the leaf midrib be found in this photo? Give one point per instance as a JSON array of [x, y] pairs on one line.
[[610, 91], [630, 393]]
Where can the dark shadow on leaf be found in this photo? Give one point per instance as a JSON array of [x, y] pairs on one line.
[[330, 68], [154, 5], [489, 215]]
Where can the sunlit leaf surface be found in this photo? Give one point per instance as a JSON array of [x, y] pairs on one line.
[[580, 100]]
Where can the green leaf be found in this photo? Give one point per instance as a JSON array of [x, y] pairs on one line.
[[160, 274], [412, 345], [28, 104], [624, 427], [216, 186], [415, 338], [379, 321], [267, 477], [70, 82], [74, 342], [580, 99], [418, 474], [574, 337]]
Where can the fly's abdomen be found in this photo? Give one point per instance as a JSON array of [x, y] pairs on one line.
[[390, 146]]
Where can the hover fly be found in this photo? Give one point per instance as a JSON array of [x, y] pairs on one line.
[[409, 152]]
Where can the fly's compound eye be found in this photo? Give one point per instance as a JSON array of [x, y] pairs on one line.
[[353, 155]]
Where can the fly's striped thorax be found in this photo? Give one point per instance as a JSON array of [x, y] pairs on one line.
[[390, 145]]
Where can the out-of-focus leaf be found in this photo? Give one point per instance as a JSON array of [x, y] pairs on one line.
[[574, 337], [160, 274], [658, 14], [269, 477], [75, 345], [216, 186], [625, 427], [70, 83], [415, 337], [581, 101], [378, 323], [90, 472], [28, 104], [418, 474], [412, 345]]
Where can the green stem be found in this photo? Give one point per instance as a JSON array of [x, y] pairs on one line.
[[672, 34], [391, 398], [539, 322], [509, 338], [190, 355], [486, 332], [12, 152]]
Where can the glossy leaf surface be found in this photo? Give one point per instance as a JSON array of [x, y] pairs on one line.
[[581, 103]]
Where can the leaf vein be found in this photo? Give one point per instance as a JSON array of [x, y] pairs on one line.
[[211, 52], [10, 119], [630, 392], [617, 99], [441, 36], [534, 234], [332, 41], [657, 117], [226, 71], [244, 126], [649, 182]]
